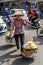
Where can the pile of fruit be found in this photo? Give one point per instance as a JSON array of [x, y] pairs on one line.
[[10, 35], [31, 45]]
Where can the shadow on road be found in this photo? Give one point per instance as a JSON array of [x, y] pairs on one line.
[[7, 55], [2, 34], [23, 61], [5, 58], [20, 60], [38, 39], [6, 47]]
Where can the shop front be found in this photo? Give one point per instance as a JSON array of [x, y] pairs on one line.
[[15, 4], [10, 4]]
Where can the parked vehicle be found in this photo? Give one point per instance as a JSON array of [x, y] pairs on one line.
[[25, 17], [7, 21], [3, 26]]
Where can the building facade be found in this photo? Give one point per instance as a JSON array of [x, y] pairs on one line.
[[25, 4]]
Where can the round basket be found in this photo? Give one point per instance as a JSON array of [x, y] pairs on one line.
[[29, 52]]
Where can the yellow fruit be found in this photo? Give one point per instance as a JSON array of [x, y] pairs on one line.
[[32, 46], [9, 35], [29, 47]]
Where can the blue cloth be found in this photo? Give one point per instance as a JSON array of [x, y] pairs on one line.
[[7, 13], [39, 13]]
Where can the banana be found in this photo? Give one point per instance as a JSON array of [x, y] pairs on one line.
[[32, 46]]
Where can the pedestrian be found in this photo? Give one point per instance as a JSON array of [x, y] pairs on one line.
[[38, 13], [7, 12], [18, 27], [32, 17]]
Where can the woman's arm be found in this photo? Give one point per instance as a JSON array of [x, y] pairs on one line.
[[26, 23], [12, 28]]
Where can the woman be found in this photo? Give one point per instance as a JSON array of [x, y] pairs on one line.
[[18, 26]]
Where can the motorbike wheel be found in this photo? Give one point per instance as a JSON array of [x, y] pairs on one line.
[[39, 32]]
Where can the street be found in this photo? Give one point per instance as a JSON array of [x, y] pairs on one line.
[[9, 55], [13, 15]]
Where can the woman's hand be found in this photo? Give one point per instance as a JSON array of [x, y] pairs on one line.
[[27, 23]]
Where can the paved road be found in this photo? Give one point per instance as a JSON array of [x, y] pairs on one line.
[[9, 55]]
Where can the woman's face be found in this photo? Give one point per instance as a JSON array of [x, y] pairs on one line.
[[18, 16]]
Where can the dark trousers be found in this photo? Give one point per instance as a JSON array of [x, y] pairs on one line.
[[21, 36]]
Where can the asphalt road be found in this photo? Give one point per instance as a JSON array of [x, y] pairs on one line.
[[9, 55]]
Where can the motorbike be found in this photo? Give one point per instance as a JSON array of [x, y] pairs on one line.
[[35, 25], [39, 31]]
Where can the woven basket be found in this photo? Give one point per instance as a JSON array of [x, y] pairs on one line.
[[29, 52], [10, 35]]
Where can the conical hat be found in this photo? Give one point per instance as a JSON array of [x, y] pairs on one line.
[[18, 13]]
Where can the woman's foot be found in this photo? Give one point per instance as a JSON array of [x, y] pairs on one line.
[[17, 49], [22, 53]]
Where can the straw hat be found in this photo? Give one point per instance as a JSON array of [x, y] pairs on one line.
[[17, 13]]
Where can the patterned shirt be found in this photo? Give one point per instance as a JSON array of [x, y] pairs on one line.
[[19, 26]]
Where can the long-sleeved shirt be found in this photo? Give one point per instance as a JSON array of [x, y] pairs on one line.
[[18, 25]]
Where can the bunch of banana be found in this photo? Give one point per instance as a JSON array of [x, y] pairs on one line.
[[32, 46], [10, 35]]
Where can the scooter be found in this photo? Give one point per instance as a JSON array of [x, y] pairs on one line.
[[36, 24]]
